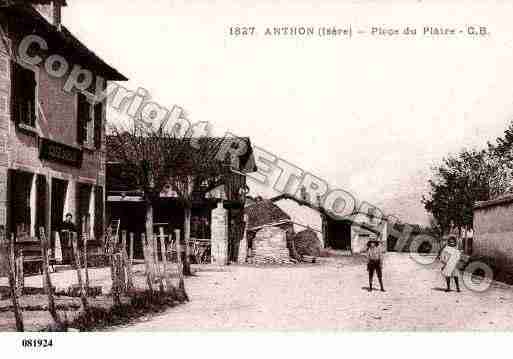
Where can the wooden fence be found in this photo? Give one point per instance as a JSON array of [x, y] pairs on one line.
[[119, 256]]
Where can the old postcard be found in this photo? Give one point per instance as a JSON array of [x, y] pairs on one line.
[[255, 166]]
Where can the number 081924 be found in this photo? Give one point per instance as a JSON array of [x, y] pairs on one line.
[[36, 343]]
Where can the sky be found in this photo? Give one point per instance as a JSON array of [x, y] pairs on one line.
[[370, 115]]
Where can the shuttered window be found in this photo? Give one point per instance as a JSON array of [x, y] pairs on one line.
[[86, 118], [24, 95], [98, 124]]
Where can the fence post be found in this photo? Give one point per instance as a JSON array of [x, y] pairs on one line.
[[47, 283], [116, 286], [8, 249], [159, 272], [83, 294], [20, 274], [162, 241], [147, 264], [128, 263], [181, 283], [86, 268]]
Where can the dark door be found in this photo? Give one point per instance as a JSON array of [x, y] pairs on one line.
[[339, 234]]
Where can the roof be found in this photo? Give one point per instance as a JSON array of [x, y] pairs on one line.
[[505, 199], [265, 212], [43, 2], [64, 40], [353, 217]]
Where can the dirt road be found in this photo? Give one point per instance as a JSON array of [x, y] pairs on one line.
[[332, 295]]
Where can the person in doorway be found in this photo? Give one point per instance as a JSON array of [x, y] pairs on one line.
[[67, 229], [450, 257], [375, 262], [68, 224]]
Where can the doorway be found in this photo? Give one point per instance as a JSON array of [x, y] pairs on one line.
[[339, 234]]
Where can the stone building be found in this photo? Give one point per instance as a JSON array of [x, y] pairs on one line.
[[270, 232], [492, 239], [51, 134], [349, 234]]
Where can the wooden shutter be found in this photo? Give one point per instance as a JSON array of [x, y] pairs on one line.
[[82, 116], [98, 212], [30, 96], [98, 125]]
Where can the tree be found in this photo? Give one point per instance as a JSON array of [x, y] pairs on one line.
[[457, 184], [155, 158]]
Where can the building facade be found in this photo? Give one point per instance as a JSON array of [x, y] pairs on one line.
[[52, 148]]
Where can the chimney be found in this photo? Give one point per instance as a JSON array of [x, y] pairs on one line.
[[57, 13], [52, 11]]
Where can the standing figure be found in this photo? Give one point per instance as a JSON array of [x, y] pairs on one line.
[[450, 256], [374, 262], [67, 229]]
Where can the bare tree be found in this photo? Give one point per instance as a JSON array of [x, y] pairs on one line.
[[152, 159]]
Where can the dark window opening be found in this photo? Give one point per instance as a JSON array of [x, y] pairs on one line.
[[24, 96], [90, 117]]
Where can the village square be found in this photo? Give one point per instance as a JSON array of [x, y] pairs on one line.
[[135, 221]]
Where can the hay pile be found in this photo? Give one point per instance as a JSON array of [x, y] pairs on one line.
[[306, 243]]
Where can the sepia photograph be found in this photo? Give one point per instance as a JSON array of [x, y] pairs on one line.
[[254, 168]]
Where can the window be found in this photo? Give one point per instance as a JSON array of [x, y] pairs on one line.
[[24, 96], [90, 116]]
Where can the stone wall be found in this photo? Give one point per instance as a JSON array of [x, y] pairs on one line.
[[270, 246], [493, 237]]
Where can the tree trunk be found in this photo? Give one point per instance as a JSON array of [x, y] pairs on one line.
[[147, 263], [187, 236], [181, 283], [149, 235], [78, 268]]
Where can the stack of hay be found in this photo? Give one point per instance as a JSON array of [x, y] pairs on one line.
[[270, 247], [307, 244]]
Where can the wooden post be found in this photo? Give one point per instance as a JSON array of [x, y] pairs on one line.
[[159, 272], [47, 280], [131, 253], [127, 263], [158, 239], [147, 263], [83, 293], [187, 237], [110, 255], [86, 268], [20, 275], [116, 285], [121, 273], [9, 250], [181, 283]]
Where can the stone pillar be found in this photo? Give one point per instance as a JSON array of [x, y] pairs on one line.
[[219, 241], [243, 246]]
